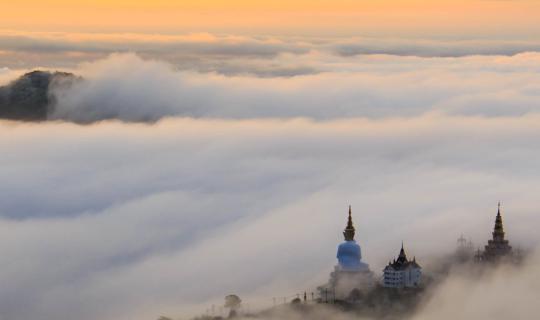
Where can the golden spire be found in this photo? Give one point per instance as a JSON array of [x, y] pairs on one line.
[[498, 230], [348, 233]]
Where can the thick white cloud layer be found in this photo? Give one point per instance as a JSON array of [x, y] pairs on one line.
[[502, 294], [116, 220], [128, 88], [242, 184]]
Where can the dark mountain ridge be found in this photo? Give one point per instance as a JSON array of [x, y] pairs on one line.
[[28, 98]]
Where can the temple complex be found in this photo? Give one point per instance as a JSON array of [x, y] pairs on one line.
[[352, 278]]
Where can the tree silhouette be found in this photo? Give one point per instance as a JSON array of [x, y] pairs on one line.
[[232, 302]]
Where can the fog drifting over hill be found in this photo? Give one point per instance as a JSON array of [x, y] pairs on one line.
[[185, 186], [128, 88]]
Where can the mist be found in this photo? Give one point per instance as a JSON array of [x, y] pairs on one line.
[[151, 188], [499, 293], [128, 88], [117, 219], [240, 54]]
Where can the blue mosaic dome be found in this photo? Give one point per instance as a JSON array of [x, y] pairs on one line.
[[349, 256]]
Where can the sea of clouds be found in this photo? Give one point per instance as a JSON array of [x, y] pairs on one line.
[[127, 88], [187, 184]]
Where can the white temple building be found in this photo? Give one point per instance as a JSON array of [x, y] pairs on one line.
[[402, 273], [351, 275]]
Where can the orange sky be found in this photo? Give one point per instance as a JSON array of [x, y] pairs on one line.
[[421, 17]]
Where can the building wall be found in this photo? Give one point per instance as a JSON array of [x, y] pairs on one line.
[[409, 278]]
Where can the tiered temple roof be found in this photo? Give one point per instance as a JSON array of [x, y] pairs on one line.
[[402, 263], [498, 246]]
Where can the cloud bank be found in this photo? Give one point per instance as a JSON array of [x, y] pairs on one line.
[[128, 88], [118, 220], [232, 54], [187, 184]]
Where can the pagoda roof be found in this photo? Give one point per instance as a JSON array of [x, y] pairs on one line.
[[402, 263]]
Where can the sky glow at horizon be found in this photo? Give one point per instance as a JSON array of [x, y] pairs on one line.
[[485, 18]]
